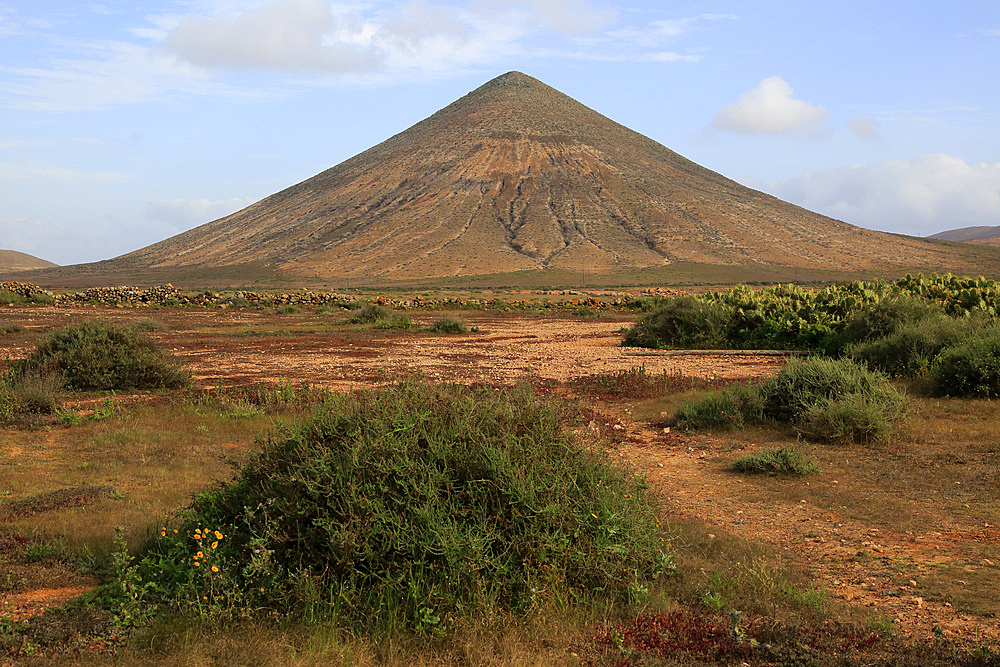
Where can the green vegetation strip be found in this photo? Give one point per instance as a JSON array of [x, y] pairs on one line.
[[942, 327]]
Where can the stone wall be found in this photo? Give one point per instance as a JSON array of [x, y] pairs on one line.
[[168, 295]]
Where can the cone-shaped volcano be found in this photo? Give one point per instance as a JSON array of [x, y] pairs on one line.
[[514, 176]]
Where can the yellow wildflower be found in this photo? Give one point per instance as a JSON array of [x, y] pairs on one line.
[[197, 564], [215, 569], [215, 544], [218, 535], [199, 555]]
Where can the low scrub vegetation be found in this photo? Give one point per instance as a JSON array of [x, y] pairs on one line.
[[103, 355], [447, 325], [7, 328], [410, 506], [26, 394], [380, 317], [787, 460], [821, 398]]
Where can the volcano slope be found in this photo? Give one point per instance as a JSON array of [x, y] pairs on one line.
[[518, 176]]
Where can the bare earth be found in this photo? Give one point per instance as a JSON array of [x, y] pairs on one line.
[[687, 471]]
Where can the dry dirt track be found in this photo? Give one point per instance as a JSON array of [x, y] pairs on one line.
[[688, 471]]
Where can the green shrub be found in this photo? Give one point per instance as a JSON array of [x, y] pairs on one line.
[[41, 299], [147, 325], [969, 369], [645, 304], [887, 316], [371, 313], [23, 394], [804, 383], [290, 309], [103, 355], [822, 398], [410, 504], [856, 417], [733, 407], [684, 322], [8, 297], [381, 317], [910, 350], [394, 322], [787, 460], [37, 394], [447, 325], [7, 328]]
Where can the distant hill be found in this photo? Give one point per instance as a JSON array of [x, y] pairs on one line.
[[517, 176], [12, 260], [979, 235]]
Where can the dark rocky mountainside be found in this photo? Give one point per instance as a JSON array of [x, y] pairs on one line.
[[516, 176], [980, 235]]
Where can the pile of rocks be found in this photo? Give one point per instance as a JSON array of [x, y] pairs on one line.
[[161, 294], [26, 290]]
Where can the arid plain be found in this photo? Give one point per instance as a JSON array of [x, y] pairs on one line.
[[903, 534]]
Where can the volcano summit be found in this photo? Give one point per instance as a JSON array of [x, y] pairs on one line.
[[517, 176]]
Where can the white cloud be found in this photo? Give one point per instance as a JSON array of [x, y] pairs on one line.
[[284, 35], [315, 35], [112, 73], [55, 174], [866, 128], [924, 196], [770, 108], [207, 50], [183, 214], [657, 32], [569, 17], [668, 57]]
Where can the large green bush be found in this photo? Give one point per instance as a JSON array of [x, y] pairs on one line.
[[787, 394], [412, 503], [100, 354], [885, 317], [684, 322], [968, 369], [909, 351], [822, 398]]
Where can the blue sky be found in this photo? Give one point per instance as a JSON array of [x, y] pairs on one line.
[[124, 123]]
